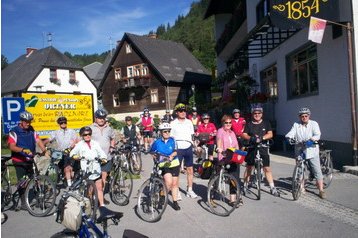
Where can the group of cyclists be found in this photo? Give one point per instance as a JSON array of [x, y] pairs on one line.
[[176, 141]]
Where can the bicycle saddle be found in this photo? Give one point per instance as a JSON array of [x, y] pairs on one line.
[[106, 214]]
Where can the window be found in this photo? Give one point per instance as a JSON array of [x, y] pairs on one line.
[[154, 95], [72, 75], [302, 72], [53, 74], [128, 49], [116, 102], [117, 73], [130, 72], [137, 70], [144, 69], [132, 99], [269, 81]]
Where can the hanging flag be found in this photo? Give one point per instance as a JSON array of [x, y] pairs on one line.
[[316, 30]]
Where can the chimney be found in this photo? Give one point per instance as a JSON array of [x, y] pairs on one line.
[[152, 35], [29, 51]]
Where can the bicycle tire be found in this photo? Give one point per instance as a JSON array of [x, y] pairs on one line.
[[297, 180], [258, 180], [90, 192], [40, 196], [152, 200], [327, 169], [135, 163], [219, 198], [6, 194], [121, 187], [4, 218]]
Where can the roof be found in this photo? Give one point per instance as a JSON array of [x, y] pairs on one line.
[[26, 68], [172, 61], [92, 69], [97, 80]]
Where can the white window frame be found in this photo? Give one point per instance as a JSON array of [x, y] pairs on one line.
[[128, 49], [117, 73], [130, 71], [154, 97], [116, 102], [132, 101]]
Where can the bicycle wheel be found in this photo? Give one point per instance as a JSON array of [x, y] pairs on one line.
[[135, 163], [121, 187], [53, 172], [6, 194], [3, 218], [152, 200], [297, 180], [89, 190], [220, 193], [40, 196], [327, 169]]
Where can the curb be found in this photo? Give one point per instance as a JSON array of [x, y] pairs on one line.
[[350, 169]]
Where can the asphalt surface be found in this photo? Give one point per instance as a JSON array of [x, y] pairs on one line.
[[310, 216]]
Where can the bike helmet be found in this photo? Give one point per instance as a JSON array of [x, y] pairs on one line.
[[85, 129], [304, 110], [26, 116], [164, 126], [180, 106], [194, 109], [205, 116], [167, 111], [235, 111], [61, 120], [128, 118], [100, 113], [257, 109], [145, 110]]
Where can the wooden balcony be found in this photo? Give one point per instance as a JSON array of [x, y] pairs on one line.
[[135, 81]]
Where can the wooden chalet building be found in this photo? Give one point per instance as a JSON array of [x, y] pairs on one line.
[[149, 72]]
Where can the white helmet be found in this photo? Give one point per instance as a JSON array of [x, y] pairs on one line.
[[164, 126], [304, 110]]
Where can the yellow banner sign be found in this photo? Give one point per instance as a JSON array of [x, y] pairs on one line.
[[46, 108]]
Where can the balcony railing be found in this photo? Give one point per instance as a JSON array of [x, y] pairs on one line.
[[135, 81]]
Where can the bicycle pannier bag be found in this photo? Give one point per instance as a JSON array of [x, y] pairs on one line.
[[235, 156], [204, 137], [206, 169]]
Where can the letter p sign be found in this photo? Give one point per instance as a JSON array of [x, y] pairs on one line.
[[11, 108]]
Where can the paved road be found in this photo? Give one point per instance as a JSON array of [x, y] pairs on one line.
[[270, 217]]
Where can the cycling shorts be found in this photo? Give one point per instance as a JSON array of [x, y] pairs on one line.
[[186, 155], [148, 134], [250, 158], [173, 170]]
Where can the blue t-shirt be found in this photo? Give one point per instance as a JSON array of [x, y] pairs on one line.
[[165, 148]]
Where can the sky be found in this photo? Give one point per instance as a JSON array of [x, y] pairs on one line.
[[80, 27]]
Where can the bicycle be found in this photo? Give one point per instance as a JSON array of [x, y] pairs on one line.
[[222, 187], [134, 157], [303, 166], [153, 194], [120, 179], [200, 142], [87, 223], [257, 176], [40, 191], [326, 165]]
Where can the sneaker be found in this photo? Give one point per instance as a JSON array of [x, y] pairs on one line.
[[179, 196], [274, 192], [176, 206], [322, 195], [241, 202], [191, 194]]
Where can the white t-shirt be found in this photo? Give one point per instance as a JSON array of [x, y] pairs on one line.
[[182, 131]]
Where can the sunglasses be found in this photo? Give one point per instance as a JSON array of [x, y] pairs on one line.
[[257, 113], [181, 110], [206, 118], [86, 134], [227, 122], [166, 131], [62, 122], [304, 116]]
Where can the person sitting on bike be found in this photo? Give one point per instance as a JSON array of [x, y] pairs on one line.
[[168, 118], [258, 131], [66, 139], [307, 131], [130, 134], [226, 138], [166, 145], [22, 142], [87, 150], [147, 123], [194, 117], [207, 127], [238, 124]]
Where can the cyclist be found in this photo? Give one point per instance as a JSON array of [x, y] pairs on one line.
[[168, 118], [148, 126], [209, 128], [225, 139], [166, 145], [195, 118], [130, 132], [90, 149], [257, 131], [66, 139], [308, 131], [104, 135], [183, 131], [22, 142], [238, 124]]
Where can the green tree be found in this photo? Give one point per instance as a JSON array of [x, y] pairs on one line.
[[4, 62]]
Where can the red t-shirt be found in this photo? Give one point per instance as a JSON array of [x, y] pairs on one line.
[[207, 128], [238, 125]]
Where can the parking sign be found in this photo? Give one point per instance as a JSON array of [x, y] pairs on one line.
[[11, 108]]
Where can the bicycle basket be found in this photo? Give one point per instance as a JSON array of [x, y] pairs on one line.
[[56, 155], [204, 137], [235, 156]]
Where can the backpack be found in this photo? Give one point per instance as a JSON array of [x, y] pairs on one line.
[[69, 212], [206, 169]]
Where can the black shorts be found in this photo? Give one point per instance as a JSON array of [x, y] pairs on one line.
[[251, 154], [107, 166], [148, 134], [210, 149], [174, 171]]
